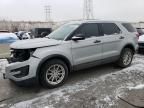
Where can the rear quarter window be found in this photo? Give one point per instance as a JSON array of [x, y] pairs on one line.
[[129, 27]]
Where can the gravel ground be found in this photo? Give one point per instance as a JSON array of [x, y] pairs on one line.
[[98, 87]]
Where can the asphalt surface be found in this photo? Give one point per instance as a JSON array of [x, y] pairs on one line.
[[96, 87]]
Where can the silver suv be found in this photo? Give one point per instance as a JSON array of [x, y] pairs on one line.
[[74, 46]]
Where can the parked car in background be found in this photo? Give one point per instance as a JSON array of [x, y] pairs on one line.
[[74, 46], [27, 35], [4, 31], [141, 43], [22, 35], [16, 33], [40, 32], [140, 31], [5, 40]]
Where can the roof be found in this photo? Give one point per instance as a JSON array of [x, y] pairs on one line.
[[97, 21], [106, 21]]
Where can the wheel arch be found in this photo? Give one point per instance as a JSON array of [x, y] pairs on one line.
[[55, 56], [129, 46]]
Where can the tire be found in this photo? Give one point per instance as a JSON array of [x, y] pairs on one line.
[[126, 58], [53, 74]]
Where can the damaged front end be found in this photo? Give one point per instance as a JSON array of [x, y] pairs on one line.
[[20, 55], [19, 64]]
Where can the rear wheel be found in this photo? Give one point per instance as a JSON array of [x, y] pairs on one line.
[[126, 58], [54, 73]]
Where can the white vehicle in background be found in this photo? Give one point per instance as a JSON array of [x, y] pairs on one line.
[[5, 40], [22, 35], [26, 35], [141, 43]]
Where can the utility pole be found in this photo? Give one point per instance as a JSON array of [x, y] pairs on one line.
[[47, 13], [88, 9]]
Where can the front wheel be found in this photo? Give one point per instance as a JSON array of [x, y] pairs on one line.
[[126, 58], [54, 73]]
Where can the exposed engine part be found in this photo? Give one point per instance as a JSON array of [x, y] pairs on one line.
[[20, 55]]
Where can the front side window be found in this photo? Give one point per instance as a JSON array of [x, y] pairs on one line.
[[88, 30], [110, 29]]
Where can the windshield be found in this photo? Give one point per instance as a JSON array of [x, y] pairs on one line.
[[62, 32]]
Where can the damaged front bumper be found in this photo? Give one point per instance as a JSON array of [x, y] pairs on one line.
[[21, 71]]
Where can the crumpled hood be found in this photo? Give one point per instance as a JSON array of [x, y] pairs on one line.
[[34, 43]]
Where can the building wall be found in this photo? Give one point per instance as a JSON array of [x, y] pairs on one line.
[[24, 26]]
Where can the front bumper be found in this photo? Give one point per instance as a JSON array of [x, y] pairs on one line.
[[22, 71]]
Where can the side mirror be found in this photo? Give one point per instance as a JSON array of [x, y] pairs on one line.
[[78, 37]]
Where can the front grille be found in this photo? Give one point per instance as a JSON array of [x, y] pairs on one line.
[[24, 71]]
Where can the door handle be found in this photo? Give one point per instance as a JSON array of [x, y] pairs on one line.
[[97, 41], [121, 37]]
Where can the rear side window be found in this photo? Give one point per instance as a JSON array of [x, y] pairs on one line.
[[110, 29], [129, 27], [89, 30]]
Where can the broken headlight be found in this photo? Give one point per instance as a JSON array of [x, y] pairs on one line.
[[20, 55]]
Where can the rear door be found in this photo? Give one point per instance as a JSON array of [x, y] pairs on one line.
[[110, 40]]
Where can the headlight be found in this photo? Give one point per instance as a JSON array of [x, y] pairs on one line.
[[20, 55]]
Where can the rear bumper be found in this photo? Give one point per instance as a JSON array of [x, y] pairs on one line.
[[141, 45], [141, 50]]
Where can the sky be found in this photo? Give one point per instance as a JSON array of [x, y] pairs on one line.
[[63, 10]]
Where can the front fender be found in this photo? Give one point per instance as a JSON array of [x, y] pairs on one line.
[[70, 67]]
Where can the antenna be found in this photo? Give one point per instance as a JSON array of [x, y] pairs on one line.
[[47, 13], [88, 9]]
